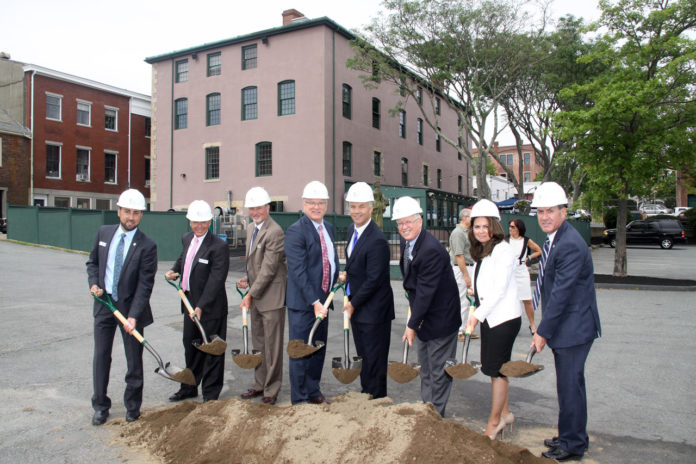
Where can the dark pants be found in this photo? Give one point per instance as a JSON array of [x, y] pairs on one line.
[[208, 369], [372, 344], [104, 331], [305, 373], [572, 397], [436, 383]]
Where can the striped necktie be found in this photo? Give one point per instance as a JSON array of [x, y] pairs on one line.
[[325, 266], [118, 265], [540, 276]]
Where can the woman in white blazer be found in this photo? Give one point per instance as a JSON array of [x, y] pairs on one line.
[[497, 306]]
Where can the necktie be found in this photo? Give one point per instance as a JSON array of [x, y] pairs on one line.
[[540, 276], [118, 264], [253, 237], [189, 262], [352, 248], [325, 267]]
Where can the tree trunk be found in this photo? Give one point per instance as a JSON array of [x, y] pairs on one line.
[[620, 269]]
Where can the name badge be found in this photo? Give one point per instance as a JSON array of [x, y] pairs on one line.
[[102, 244], [201, 260]]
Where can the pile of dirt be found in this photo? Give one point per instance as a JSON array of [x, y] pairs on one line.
[[352, 429]]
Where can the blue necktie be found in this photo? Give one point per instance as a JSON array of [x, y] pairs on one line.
[[253, 237], [540, 276], [118, 264], [352, 249]]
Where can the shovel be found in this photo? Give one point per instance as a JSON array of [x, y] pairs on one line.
[[243, 358], [403, 372], [216, 346], [344, 369], [167, 371], [297, 348], [463, 370], [521, 368]]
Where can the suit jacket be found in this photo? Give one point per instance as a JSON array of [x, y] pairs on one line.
[[367, 271], [208, 275], [137, 274], [569, 305], [303, 253], [266, 266], [432, 289], [496, 286]]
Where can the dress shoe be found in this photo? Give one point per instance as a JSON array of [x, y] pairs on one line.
[[99, 417], [559, 454], [551, 442], [509, 420], [498, 430], [270, 399], [251, 393], [319, 400], [132, 416], [182, 395]]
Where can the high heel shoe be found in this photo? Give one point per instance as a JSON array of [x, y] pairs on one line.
[[509, 420], [498, 430]]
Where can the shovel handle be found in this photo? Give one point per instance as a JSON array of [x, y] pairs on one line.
[[244, 316], [346, 317], [120, 317], [532, 352], [240, 291]]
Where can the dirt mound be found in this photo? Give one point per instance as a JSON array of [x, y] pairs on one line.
[[352, 429]]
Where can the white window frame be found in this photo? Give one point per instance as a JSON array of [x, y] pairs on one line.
[[112, 108], [89, 112], [115, 153], [60, 106], [0, 152], [89, 202], [89, 164], [60, 159]]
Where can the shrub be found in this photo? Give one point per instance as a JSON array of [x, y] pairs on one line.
[[610, 216]]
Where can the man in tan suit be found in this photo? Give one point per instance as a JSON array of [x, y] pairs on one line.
[[266, 280]]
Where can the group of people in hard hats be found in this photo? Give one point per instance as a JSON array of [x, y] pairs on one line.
[[294, 271]]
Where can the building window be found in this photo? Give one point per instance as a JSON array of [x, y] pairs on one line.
[[426, 175], [181, 113], [148, 127], [402, 87], [83, 203], [286, 98], [527, 159], [182, 71], [249, 56], [419, 95], [212, 163], [110, 168], [437, 105], [103, 204], [147, 172], [509, 160], [375, 71], [439, 178], [84, 113], [249, 103], [212, 105], [419, 128], [402, 124], [347, 98], [264, 159], [82, 165], [438, 146], [527, 176], [376, 116], [347, 159], [460, 144], [53, 161], [460, 184], [377, 163], [214, 64], [53, 106], [61, 202], [404, 172], [111, 118]]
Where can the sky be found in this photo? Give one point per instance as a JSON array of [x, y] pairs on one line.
[[109, 41]]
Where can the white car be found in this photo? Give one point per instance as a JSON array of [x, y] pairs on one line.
[[648, 210], [680, 209]]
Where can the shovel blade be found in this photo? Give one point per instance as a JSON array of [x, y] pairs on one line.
[[176, 374], [298, 349], [216, 346], [247, 360], [460, 371], [402, 372]]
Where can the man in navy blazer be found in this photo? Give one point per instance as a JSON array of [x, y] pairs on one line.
[[371, 305], [433, 297], [312, 270], [129, 286], [570, 319]]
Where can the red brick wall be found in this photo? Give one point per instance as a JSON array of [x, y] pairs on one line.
[[16, 168]]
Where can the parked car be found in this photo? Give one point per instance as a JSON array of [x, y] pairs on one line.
[[680, 209], [663, 232], [653, 209], [3, 225]]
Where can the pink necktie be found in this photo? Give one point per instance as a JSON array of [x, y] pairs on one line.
[[325, 267], [187, 266]]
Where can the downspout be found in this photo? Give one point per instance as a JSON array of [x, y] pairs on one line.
[[333, 123], [31, 161], [171, 140], [130, 142]]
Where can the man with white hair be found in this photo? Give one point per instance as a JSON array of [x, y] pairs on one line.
[[462, 264]]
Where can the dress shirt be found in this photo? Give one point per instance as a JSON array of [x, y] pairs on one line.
[[359, 230], [109, 272]]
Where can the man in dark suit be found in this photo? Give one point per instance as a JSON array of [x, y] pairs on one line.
[[203, 265], [371, 305], [122, 264], [570, 319], [267, 277], [433, 296], [312, 270]]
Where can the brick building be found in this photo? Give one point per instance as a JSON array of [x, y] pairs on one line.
[[15, 166], [509, 154]]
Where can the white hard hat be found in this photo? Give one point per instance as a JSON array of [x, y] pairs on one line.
[[132, 199], [256, 196], [199, 211], [549, 194], [405, 207], [360, 192], [315, 190], [484, 208]]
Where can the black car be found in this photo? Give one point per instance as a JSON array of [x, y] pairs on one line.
[[663, 232]]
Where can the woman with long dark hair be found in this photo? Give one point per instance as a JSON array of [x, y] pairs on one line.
[[521, 246]]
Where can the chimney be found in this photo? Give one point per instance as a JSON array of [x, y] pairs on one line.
[[290, 15]]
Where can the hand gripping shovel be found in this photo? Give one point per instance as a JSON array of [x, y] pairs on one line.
[[216, 345], [244, 358], [165, 370], [521, 368], [462, 370], [297, 348], [403, 372], [344, 369]]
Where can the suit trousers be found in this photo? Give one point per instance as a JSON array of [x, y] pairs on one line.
[[572, 397], [305, 373], [267, 329], [436, 384], [104, 331], [208, 369], [372, 344]]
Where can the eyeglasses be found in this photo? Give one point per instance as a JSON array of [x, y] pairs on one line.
[[315, 204], [401, 224]]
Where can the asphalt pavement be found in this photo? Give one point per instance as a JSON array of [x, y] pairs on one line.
[[639, 375]]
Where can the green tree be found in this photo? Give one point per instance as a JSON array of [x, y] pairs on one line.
[[640, 112]]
